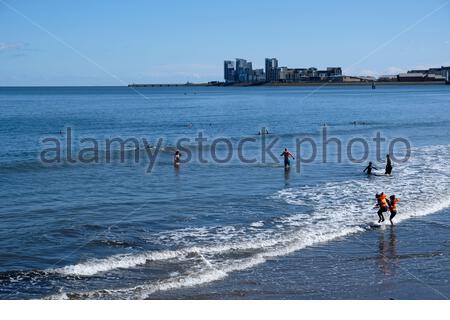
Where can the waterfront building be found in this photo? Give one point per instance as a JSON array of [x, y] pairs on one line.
[[228, 71], [412, 76], [272, 70], [388, 78], [447, 74], [244, 70], [258, 75], [334, 72]]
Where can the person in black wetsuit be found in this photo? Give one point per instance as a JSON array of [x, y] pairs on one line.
[[388, 165], [286, 154], [177, 158], [369, 169]]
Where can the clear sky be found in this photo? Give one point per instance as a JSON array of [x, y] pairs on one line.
[[87, 42]]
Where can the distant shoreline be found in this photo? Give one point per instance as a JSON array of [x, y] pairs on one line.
[[240, 85], [290, 84]]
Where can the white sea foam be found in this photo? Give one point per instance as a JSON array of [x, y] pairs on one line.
[[333, 210], [257, 224], [94, 266]]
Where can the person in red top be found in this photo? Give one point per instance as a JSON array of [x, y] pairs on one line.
[[382, 204], [393, 207], [286, 154]]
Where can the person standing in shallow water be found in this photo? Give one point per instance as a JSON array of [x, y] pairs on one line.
[[393, 200], [382, 204], [369, 168], [177, 158], [388, 165], [286, 154]]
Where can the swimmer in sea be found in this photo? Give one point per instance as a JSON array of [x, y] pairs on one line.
[[369, 169], [263, 132], [177, 158], [388, 165], [286, 154]]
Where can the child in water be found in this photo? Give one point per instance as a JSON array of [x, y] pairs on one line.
[[382, 204], [369, 169], [393, 207]]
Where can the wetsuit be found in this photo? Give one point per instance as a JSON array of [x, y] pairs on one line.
[[388, 167], [369, 169], [177, 159], [383, 205]]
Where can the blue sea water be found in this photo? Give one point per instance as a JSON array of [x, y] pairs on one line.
[[223, 230]]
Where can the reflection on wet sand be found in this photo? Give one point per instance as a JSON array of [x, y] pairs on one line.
[[387, 252]]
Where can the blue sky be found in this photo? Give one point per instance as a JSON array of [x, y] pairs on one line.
[[117, 42]]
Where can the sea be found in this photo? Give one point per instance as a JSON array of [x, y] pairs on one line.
[[92, 206]]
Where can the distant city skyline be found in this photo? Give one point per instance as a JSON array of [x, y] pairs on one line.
[[110, 43], [241, 71]]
